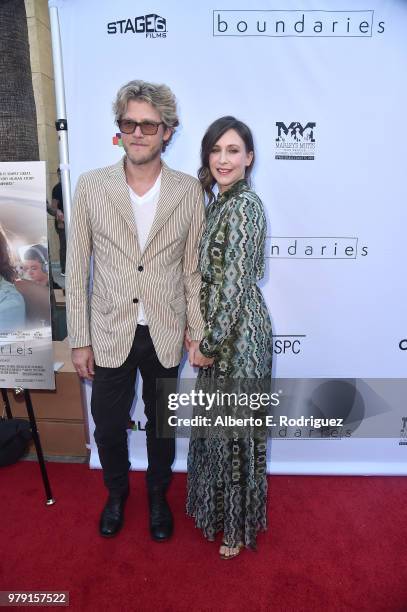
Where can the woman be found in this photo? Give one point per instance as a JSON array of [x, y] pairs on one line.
[[227, 484], [12, 306], [36, 264]]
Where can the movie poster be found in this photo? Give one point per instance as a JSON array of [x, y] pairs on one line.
[[26, 355]]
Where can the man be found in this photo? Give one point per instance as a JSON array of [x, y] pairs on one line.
[[58, 208], [142, 222]]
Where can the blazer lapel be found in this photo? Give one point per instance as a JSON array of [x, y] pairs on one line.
[[118, 191], [171, 192]]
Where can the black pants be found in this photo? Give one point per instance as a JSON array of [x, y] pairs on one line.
[[62, 248], [112, 397]]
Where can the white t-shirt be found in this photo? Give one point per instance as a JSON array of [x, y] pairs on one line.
[[144, 208]]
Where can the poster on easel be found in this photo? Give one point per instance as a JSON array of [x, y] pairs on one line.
[[26, 355]]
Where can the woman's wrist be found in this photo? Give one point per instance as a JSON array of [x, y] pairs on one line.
[[205, 350]]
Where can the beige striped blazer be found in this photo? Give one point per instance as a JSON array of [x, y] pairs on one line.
[[164, 276]]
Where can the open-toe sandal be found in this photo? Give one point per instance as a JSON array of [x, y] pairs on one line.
[[236, 551]]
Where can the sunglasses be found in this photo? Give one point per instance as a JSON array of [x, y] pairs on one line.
[[148, 128]]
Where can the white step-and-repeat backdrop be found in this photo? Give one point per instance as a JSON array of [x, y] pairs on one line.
[[322, 85]]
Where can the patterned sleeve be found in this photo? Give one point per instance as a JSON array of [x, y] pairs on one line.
[[246, 233]]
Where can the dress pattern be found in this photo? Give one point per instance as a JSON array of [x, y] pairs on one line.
[[227, 486]]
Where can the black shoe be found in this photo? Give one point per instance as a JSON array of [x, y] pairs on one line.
[[161, 521], [111, 519]]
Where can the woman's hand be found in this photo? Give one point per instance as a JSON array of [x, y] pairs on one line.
[[197, 359]]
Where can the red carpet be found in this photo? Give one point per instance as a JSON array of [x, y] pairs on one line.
[[334, 543]]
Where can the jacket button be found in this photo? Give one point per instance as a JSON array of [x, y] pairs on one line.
[[135, 300], [140, 268]]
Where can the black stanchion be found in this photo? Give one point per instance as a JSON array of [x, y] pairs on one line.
[[33, 424], [6, 404]]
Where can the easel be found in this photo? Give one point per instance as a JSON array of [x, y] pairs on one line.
[[33, 424]]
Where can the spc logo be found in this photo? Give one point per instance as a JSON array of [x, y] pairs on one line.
[[283, 344], [153, 26]]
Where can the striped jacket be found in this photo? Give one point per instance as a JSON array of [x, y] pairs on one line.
[[164, 276]]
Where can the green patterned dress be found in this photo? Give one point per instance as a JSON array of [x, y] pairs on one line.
[[227, 485]]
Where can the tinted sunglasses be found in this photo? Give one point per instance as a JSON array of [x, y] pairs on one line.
[[148, 128]]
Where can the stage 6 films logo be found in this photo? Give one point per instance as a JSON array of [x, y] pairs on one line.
[[295, 141], [153, 26]]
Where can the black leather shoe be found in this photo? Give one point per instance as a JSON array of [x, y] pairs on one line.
[[161, 521], [111, 519]]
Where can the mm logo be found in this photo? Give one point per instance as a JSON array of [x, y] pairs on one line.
[[295, 132], [153, 26], [295, 141]]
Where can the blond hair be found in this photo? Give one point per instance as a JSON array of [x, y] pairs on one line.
[[159, 96]]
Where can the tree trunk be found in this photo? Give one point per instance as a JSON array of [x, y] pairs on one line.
[[18, 117]]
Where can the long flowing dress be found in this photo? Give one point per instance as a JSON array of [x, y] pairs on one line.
[[227, 485]]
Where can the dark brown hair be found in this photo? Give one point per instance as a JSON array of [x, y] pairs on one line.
[[7, 269], [211, 137]]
